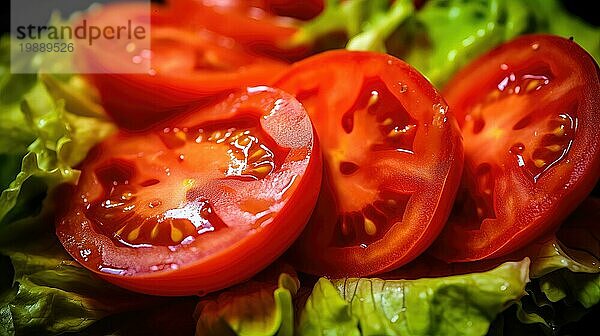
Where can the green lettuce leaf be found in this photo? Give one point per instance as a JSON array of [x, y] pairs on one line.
[[568, 265], [444, 35], [53, 294], [16, 136], [60, 140], [48, 124], [447, 34], [254, 308], [565, 272], [348, 17], [454, 305]]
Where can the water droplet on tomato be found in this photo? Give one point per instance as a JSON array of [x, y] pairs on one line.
[[403, 87], [85, 253], [112, 270], [363, 245], [517, 148], [154, 203], [535, 46], [373, 99]]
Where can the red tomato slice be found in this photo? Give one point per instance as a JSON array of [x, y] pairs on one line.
[[185, 67], [393, 159], [578, 235], [529, 115], [249, 23], [199, 204]]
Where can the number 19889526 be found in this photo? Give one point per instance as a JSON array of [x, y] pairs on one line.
[[47, 47]]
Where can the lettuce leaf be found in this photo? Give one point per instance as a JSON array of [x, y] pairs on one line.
[[253, 308], [58, 140], [565, 272], [444, 35], [43, 291], [52, 294], [457, 305]]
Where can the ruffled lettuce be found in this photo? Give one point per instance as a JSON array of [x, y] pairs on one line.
[[566, 272], [46, 133], [255, 308], [454, 305], [444, 35], [52, 294]]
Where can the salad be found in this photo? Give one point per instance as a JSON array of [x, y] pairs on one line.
[[307, 168]]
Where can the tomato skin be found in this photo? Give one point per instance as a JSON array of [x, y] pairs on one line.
[[186, 68], [383, 198], [579, 232], [555, 166], [213, 260]]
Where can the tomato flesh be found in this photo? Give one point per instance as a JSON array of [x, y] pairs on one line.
[[528, 116], [392, 160], [200, 206], [233, 153]]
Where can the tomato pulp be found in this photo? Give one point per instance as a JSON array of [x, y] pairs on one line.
[[529, 117], [200, 204], [393, 159]]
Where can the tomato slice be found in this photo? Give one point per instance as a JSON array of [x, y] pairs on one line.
[[198, 204], [393, 159], [252, 24], [528, 113], [140, 87]]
